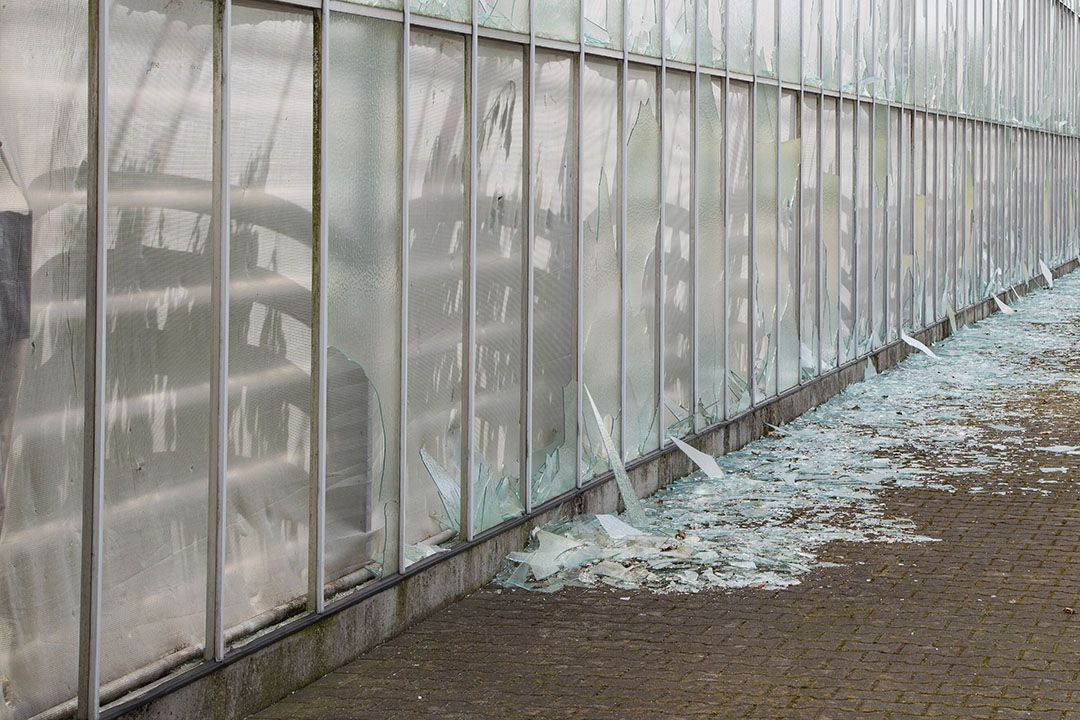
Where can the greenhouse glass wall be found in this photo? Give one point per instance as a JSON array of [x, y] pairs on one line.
[[295, 295]]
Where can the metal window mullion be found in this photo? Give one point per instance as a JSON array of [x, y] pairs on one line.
[[752, 171], [403, 393], [695, 299], [819, 232], [776, 218], [661, 265], [624, 138], [93, 480], [320, 267], [219, 301], [468, 530], [725, 282], [579, 263], [525, 480]]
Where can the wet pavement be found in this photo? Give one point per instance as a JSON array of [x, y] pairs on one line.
[[929, 518]]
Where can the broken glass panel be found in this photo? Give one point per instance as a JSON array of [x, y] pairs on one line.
[[438, 165], [849, 20], [500, 232], [711, 265], [881, 266], [711, 35], [642, 262], [830, 235], [847, 231], [764, 245], [907, 238], [678, 326], [765, 31], [919, 257], [510, 15], [457, 10], [787, 257], [892, 227], [810, 240], [740, 33], [739, 141], [554, 266], [830, 47], [603, 23], [811, 42], [790, 51], [680, 29], [601, 299], [558, 20], [643, 27], [865, 303]]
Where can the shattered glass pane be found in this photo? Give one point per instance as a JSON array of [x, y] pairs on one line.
[[880, 265], [680, 29], [811, 41], [765, 288], [457, 10], [510, 15], [788, 290], [847, 231], [865, 304], [740, 32], [830, 235], [558, 20], [603, 23], [643, 27], [711, 39], [739, 141], [790, 52], [711, 264], [765, 38], [810, 241], [830, 48]]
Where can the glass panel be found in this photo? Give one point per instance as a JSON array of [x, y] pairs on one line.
[[740, 51], [967, 294], [941, 212], [830, 235], [500, 232], [847, 231], [738, 256], [395, 4], [364, 364], [849, 21], [458, 10], [791, 40], [880, 256], [892, 227], [765, 242], [920, 209], [712, 24], [510, 15], [679, 26], [907, 257], [830, 44], [789, 338], [642, 228], [554, 266], [643, 27], [864, 63], [711, 264], [810, 246], [765, 37], [865, 302], [601, 297], [603, 23], [678, 328], [811, 42], [43, 270], [158, 344], [438, 235], [558, 20], [270, 323], [880, 67]]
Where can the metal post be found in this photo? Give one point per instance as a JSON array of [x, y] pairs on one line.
[[579, 262], [320, 269], [526, 466], [661, 264], [726, 283], [221, 234], [468, 410], [751, 384], [776, 218], [624, 138], [694, 239], [93, 490], [403, 397]]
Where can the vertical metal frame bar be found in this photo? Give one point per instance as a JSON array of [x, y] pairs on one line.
[[751, 285], [320, 268], [871, 205], [93, 489], [403, 397], [624, 138], [579, 264], [219, 301], [726, 281], [661, 264], [695, 297], [526, 464], [819, 269], [468, 529], [776, 218]]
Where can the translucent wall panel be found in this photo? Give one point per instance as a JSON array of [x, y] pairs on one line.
[[603, 23], [865, 303], [811, 41], [788, 251], [740, 35], [892, 227], [680, 28], [642, 286], [500, 235], [919, 262], [810, 241], [363, 381], [43, 240], [438, 235], [459, 10], [554, 267], [764, 245], [907, 231], [864, 60], [601, 298], [941, 215], [643, 27], [558, 19], [510, 15], [158, 344], [847, 231], [678, 327], [395, 4], [765, 33], [711, 34], [830, 43], [831, 199], [847, 44], [739, 142], [270, 311], [880, 258], [790, 51], [711, 263], [880, 67]]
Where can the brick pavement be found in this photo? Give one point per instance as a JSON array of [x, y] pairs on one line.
[[973, 626]]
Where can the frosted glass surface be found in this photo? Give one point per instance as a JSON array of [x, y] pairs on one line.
[[643, 27], [847, 231], [740, 30], [364, 368], [603, 23], [765, 62], [500, 233], [764, 246], [941, 238], [394, 4], [642, 266], [830, 44], [510, 15], [830, 235], [680, 29], [270, 325], [880, 257], [811, 41], [810, 241], [892, 228], [907, 235], [712, 22], [849, 19], [711, 263], [678, 327], [601, 293], [438, 234], [788, 290], [558, 19], [158, 344], [458, 10], [790, 51], [920, 247], [554, 266], [864, 62], [43, 225], [739, 141], [947, 214], [865, 303], [882, 49]]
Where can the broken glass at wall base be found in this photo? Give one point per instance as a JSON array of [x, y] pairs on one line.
[[761, 516]]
